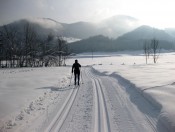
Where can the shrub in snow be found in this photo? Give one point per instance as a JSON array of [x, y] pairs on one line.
[[10, 124], [31, 106], [20, 116], [27, 111]]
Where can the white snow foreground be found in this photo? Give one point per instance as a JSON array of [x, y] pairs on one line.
[[29, 95], [154, 81], [118, 94]]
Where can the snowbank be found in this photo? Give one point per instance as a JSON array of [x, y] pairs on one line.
[[154, 81]]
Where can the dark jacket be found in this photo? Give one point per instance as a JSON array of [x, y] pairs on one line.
[[76, 67]]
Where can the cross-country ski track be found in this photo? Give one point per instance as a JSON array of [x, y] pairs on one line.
[[105, 104]]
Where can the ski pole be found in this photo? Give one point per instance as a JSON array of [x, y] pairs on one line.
[[81, 76], [70, 79]]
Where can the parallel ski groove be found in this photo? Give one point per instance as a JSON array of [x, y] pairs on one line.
[[61, 116], [102, 123], [106, 112], [97, 109], [151, 122]]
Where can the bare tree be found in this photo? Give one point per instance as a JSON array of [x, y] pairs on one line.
[[9, 44], [60, 49], [1, 50], [146, 48], [46, 49], [28, 49], [155, 49], [55, 51], [66, 53], [31, 45]]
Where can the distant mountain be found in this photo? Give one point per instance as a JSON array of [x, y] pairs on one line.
[[147, 32], [133, 40], [125, 31], [170, 31], [96, 43], [112, 27], [80, 30], [118, 25], [42, 26]]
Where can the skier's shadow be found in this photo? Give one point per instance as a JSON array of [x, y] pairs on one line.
[[59, 89]]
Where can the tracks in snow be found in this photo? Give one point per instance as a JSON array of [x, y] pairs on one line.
[[58, 121], [121, 108], [115, 107], [102, 123], [101, 120]]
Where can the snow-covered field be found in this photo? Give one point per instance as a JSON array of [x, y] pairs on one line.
[[26, 93], [30, 98]]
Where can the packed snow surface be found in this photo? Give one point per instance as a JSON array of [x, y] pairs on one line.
[[118, 92]]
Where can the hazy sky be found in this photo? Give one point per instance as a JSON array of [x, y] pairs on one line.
[[158, 13]]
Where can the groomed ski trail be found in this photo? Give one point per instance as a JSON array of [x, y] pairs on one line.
[[61, 116], [105, 104], [102, 123], [120, 107]]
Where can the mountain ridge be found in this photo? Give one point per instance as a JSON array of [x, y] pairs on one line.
[[126, 35], [133, 40], [108, 27]]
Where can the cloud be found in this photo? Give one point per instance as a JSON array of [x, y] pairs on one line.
[[46, 23], [158, 12], [42, 4]]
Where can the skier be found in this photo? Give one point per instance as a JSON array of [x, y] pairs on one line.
[[76, 69]]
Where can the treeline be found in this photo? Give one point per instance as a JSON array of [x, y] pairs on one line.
[[30, 49]]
